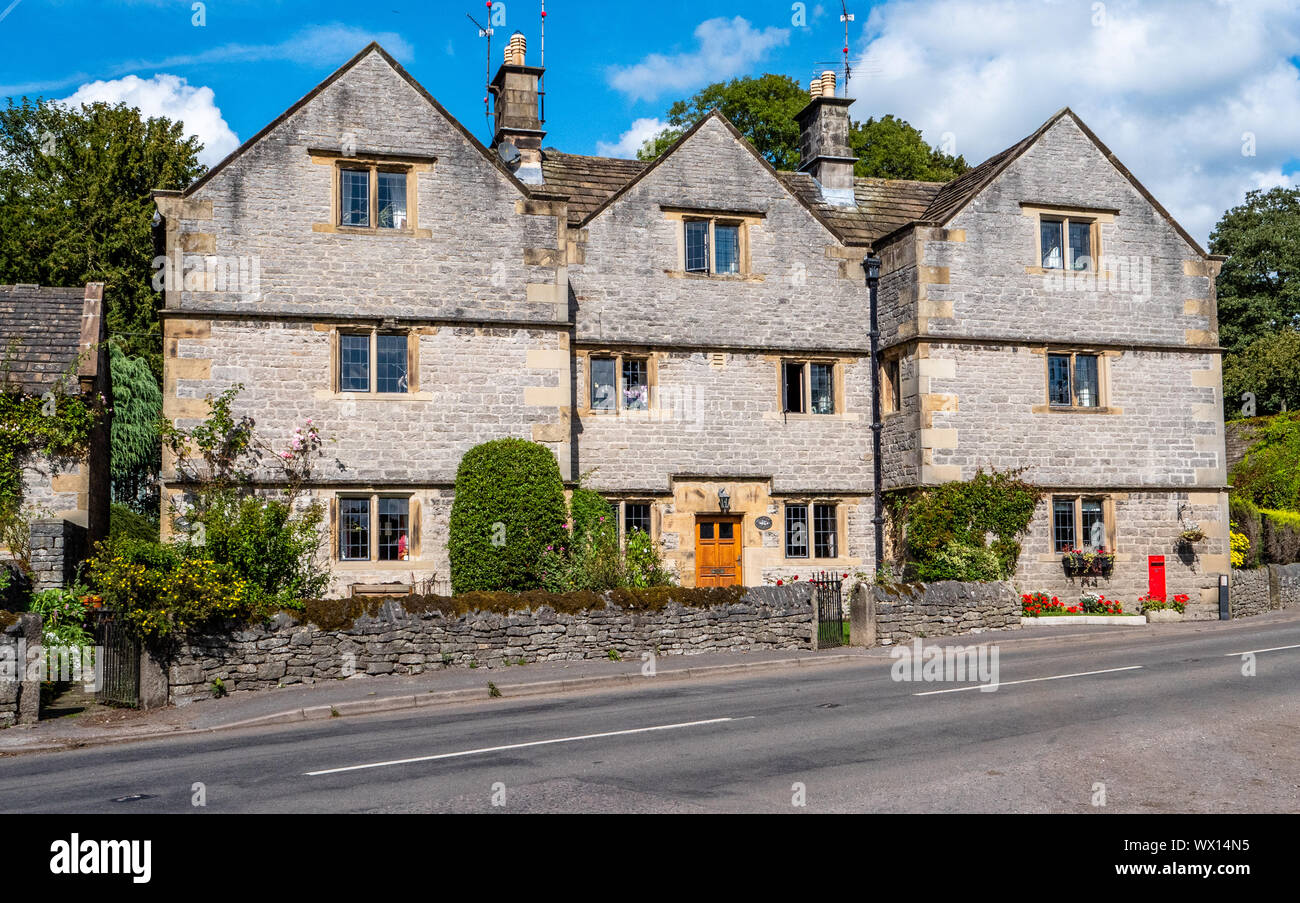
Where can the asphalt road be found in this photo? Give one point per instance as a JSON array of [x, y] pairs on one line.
[[1181, 730]]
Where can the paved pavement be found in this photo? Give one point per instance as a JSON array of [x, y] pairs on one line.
[[1159, 719]]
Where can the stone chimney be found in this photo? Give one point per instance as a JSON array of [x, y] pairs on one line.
[[517, 119], [824, 150]]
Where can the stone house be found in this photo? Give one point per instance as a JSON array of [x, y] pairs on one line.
[[698, 328], [52, 343]]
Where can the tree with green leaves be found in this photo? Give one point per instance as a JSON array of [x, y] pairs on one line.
[[75, 205], [1269, 370], [1259, 287], [763, 109], [136, 445]]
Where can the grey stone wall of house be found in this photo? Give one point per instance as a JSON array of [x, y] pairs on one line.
[[1147, 525], [58, 548], [1250, 593], [906, 611], [631, 288], [20, 641], [1261, 590], [395, 641]]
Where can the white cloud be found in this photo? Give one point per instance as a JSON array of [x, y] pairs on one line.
[[170, 96], [727, 47], [1171, 86], [632, 140]]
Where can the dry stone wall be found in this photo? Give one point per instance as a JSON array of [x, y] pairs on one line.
[[906, 611], [395, 641]]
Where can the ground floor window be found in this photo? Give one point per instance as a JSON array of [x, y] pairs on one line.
[[374, 528], [636, 518], [821, 537], [1079, 523]]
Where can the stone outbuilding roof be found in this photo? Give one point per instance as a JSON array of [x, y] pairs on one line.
[[48, 337]]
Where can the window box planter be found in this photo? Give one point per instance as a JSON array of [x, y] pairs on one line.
[[1080, 563]]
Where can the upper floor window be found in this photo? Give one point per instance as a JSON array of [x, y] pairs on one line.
[[374, 363], [373, 197], [808, 387], [1073, 380], [1067, 243], [713, 247], [618, 382]]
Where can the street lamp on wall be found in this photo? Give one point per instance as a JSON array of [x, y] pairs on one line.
[[724, 500]]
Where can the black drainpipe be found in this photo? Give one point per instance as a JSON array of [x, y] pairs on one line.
[[872, 265]]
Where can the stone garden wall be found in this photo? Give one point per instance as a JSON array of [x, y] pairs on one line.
[[1265, 589], [397, 641], [58, 547], [20, 700], [906, 611]]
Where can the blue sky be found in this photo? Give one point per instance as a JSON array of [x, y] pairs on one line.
[[1201, 113]]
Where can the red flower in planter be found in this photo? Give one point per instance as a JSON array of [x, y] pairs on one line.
[[780, 583]]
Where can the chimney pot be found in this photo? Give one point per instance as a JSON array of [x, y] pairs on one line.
[[517, 50], [815, 89], [828, 83]]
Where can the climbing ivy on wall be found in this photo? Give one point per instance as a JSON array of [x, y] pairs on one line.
[[946, 529], [52, 426]]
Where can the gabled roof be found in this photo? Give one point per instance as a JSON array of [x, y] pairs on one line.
[[372, 47], [42, 336], [883, 205], [957, 194], [680, 142]]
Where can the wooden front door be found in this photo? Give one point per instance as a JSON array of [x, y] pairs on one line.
[[717, 552]]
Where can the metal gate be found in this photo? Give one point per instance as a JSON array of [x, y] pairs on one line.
[[828, 596], [118, 664]]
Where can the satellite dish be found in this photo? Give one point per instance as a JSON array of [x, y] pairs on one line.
[[509, 155]]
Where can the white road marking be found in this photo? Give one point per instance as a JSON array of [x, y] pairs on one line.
[[492, 749], [1260, 651], [1032, 680]]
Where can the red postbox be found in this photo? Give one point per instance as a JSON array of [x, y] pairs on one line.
[[1156, 576]]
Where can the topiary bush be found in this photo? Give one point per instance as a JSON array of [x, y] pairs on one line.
[[509, 508]]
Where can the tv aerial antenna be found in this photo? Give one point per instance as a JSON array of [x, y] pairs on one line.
[[485, 31], [847, 18]]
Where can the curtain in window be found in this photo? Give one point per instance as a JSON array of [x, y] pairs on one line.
[[636, 385], [392, 200], [697, 246], [727, 242], [355, 207], [1085, 381], [1094, 524], [394, 524], [603, 381], [1051, 239], [823, 392]]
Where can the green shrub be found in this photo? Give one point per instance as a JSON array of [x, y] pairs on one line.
[[509, 508], [594, 561], [160, 589], [591, 514], [946, 528], [123, 523], [64, 615], [1269, 475], [269, 546], [1281, 537]]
